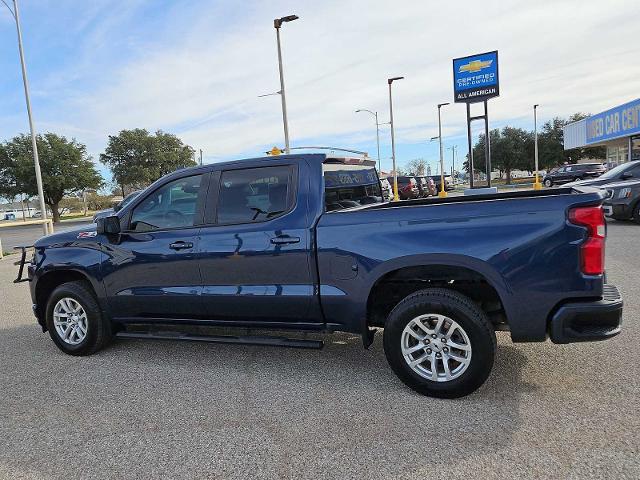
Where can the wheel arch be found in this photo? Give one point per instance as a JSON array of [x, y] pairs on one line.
[[469, 276], [51, 280]]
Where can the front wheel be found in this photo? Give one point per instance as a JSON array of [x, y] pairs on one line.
[[439, 343], [74, 320], [548, 183]]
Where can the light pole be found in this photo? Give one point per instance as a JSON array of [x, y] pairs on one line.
[[277, 23], [443, 192], [393, 141], [453, 163], [375, 114], [36, 161], [537, 185]]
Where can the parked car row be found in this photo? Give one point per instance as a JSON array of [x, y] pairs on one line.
[[413, 186]]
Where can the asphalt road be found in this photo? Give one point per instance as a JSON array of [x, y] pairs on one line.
[[177, 410], [27, 234]]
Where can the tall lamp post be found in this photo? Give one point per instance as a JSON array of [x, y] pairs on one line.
[[277, 23], [537, 185], [393, 141], [443, 192], [453, 163], [36, 161], [375, 114]]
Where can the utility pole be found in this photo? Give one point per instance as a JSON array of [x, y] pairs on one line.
[[393, 142], [443, 192], [537, 185], [200, 157], [453, 163], [36, 161], [375, 114]]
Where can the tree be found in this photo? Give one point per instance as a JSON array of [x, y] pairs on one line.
[[137, 158], [66, 168], [417, 167], [551, 144]]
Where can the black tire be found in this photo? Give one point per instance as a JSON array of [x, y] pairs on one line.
[[636, 213], [468, 315], [548, 183], [98, 329]]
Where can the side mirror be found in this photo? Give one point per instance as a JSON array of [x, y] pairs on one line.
[[626, 175], [109, 225]]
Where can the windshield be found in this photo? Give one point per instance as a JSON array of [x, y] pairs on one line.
[[348, 186], [614, 172]]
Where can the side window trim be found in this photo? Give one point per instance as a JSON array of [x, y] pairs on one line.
[[211, 215], [198, 217]]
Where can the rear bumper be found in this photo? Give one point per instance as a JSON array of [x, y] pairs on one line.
[[588, 321]]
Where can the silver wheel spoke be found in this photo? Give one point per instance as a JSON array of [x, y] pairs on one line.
[[422, 326], [419, 360], [445, 364], [438, 326], [415, 335], [458, 358], [459, 346], [434, 367], [415, 348]]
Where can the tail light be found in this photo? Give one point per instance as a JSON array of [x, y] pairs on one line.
[[592, 250]]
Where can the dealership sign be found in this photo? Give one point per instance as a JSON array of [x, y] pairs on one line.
[[475, 78], [621, 121]]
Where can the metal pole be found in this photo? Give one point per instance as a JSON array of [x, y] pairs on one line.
[[536, 185], [487, 145], [282, 95], [393, 149], [25, 81], [378, 142], [443, 192], [200, 157], [469, 146]]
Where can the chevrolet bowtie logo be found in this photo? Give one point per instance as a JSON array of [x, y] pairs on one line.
[[475, 66]]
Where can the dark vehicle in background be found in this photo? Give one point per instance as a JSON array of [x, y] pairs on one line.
[[623, 202], [292, 243], [426, 186], [437, 180], [624, 171], [117, 207], [407, 187], [573, 173]]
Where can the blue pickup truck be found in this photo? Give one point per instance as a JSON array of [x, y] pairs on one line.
[[307, 243]]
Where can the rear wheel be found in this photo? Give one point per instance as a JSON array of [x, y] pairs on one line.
[[548, 183], [74, 320], [440, 343]]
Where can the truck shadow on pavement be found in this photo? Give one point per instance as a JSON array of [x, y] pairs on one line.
[[169, 409]]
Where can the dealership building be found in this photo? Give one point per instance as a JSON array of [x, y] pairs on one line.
[[617, 129]]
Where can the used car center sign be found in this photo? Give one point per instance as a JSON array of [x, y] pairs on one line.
[[475, 78], [621, 121]]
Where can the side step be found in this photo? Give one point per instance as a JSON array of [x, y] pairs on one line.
[[242, 339]]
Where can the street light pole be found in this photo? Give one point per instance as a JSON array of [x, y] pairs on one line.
[[393, 142], [36, 161], [537, 185], [453, 163], [277, 23], [375, 114], [443, 192]]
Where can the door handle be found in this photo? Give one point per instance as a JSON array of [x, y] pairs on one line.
[[284, 239], [180, 245]]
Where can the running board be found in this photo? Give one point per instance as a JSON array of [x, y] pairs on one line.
[[245, 340]]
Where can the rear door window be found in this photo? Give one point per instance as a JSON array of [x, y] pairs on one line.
[[254, 194]]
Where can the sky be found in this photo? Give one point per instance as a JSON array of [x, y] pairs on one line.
[[195, 68]]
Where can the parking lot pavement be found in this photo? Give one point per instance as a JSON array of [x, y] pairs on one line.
[[27, 234], [180, 410]]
